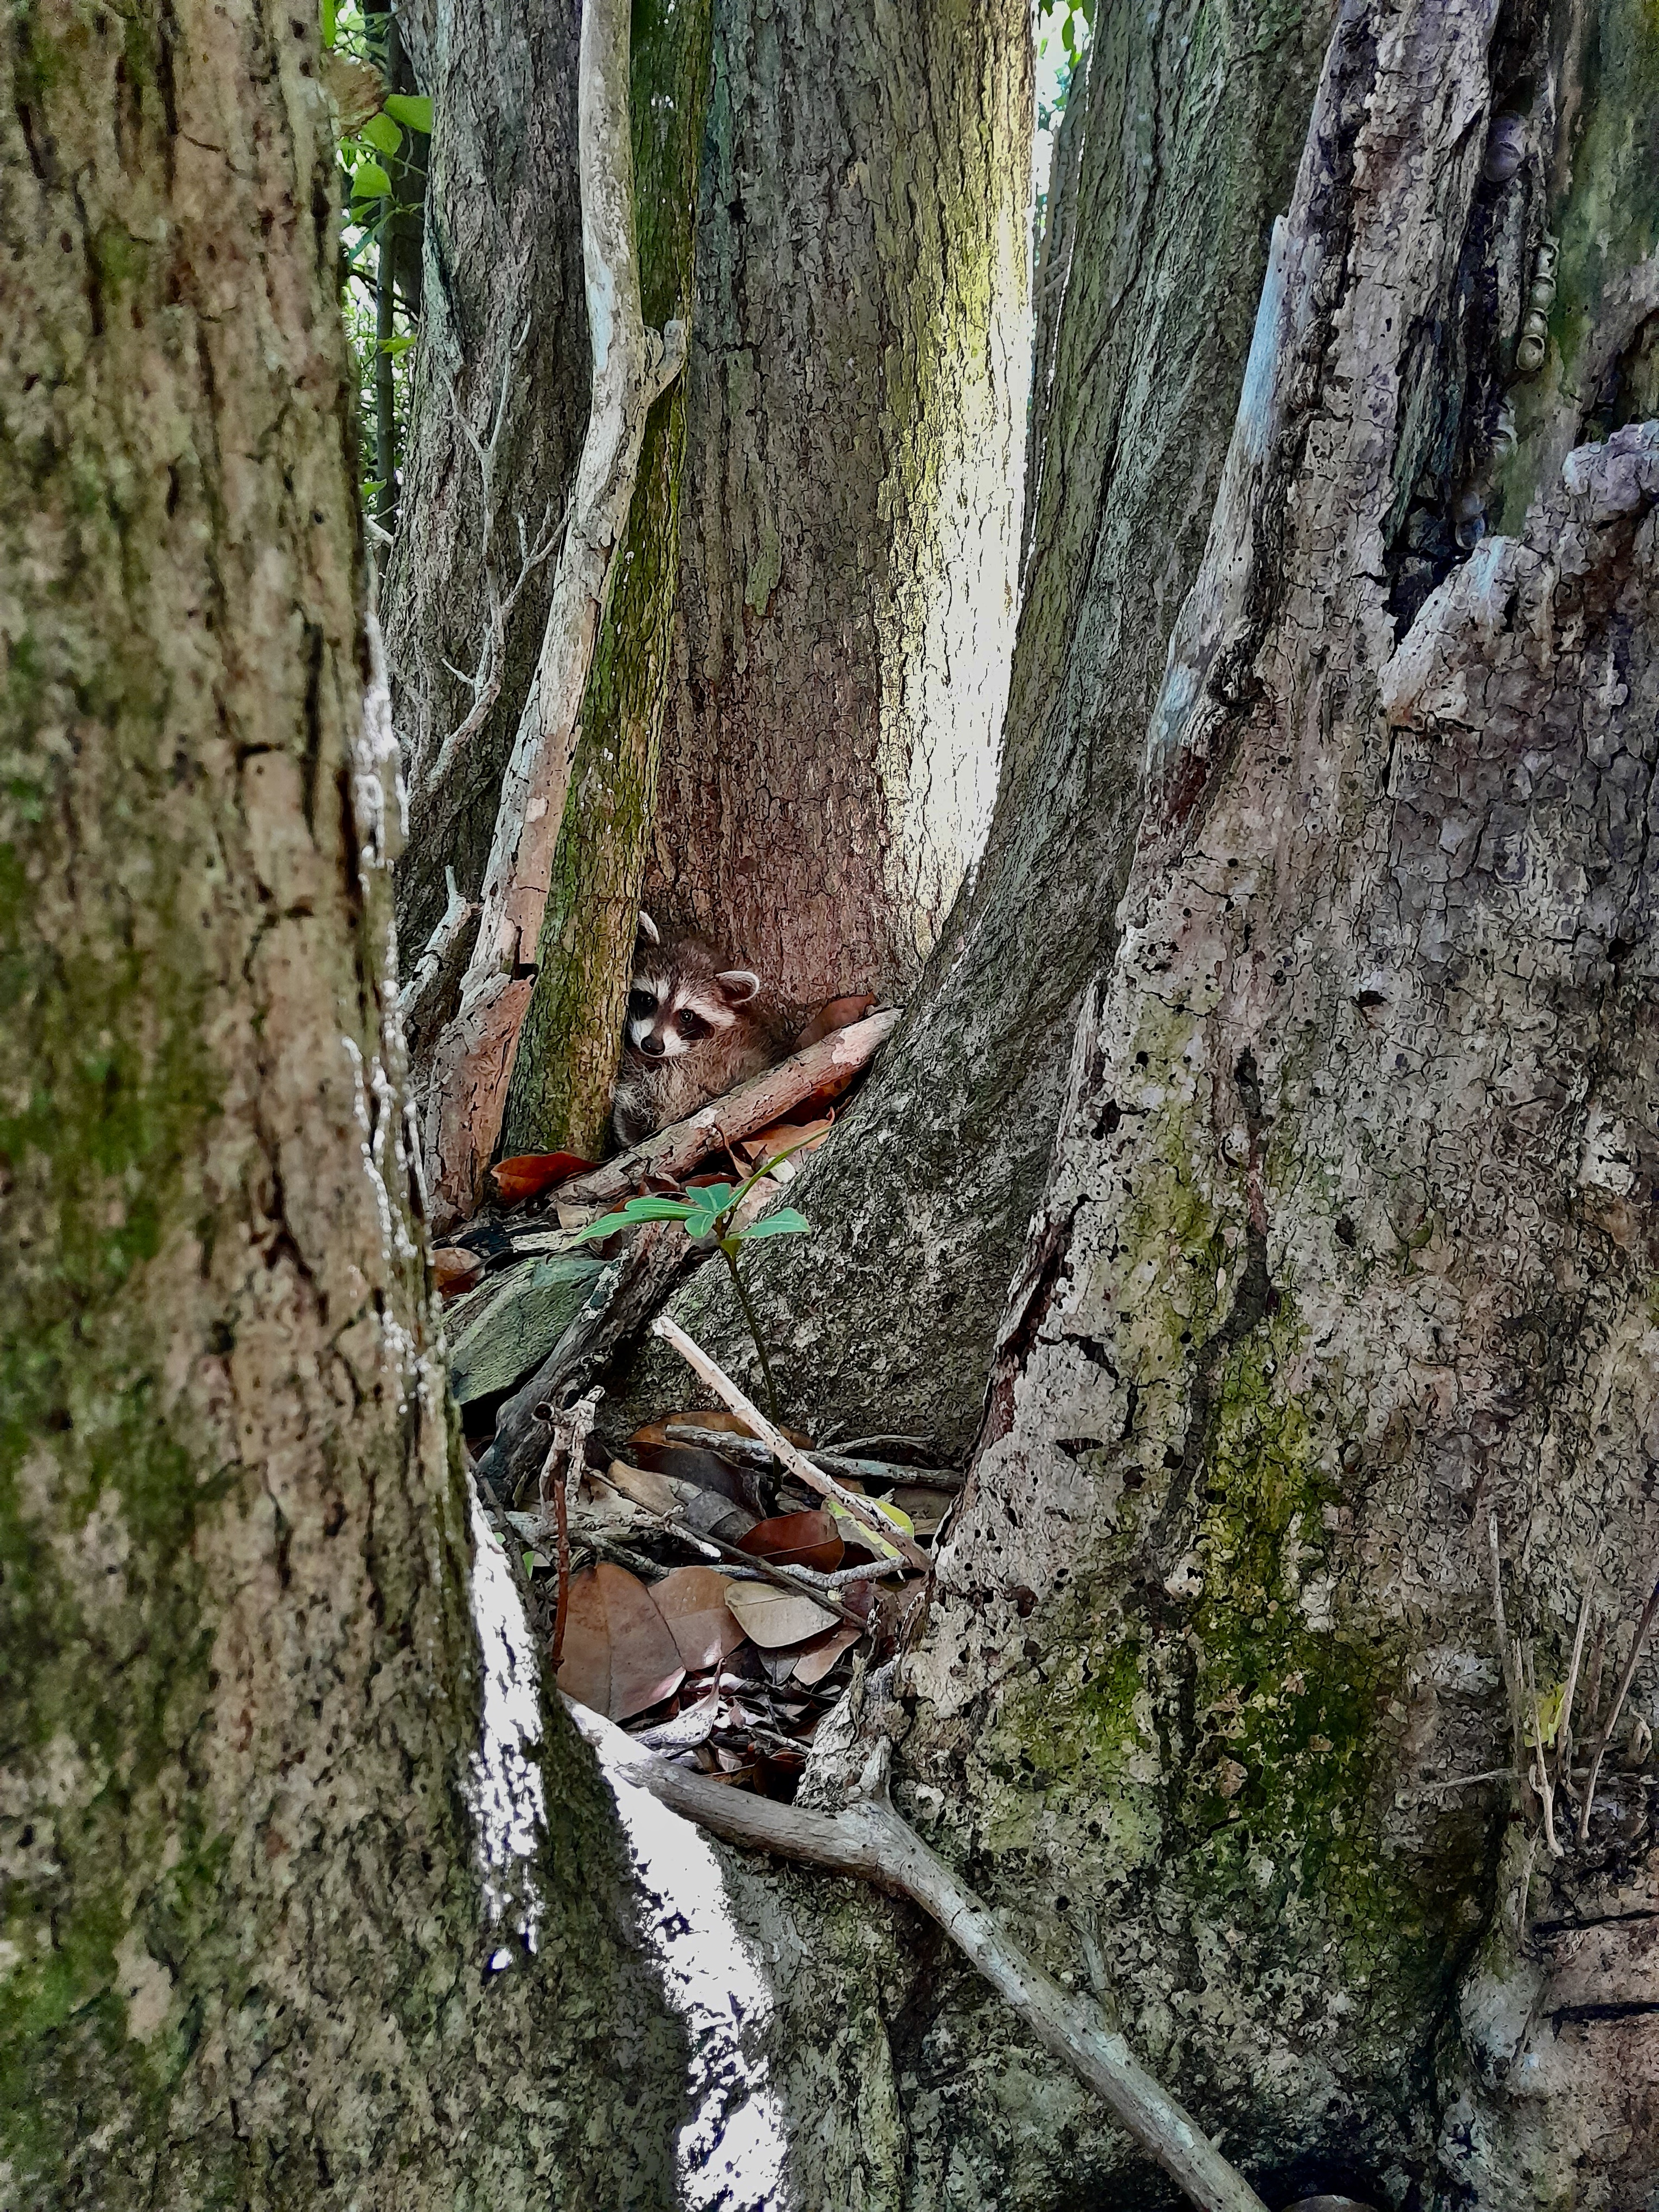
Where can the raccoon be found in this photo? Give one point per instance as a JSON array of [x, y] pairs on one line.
[[695, 1028]]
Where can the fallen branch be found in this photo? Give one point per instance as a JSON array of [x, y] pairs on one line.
[[781, 1449], [752, 1453], [869, 1840], [674, 1151], [473, 1061]]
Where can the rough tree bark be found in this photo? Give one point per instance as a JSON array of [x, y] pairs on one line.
[[307, 1901], [1346, 1255], [1179, 153], [856, 417], [560, 1098], [503, 269]]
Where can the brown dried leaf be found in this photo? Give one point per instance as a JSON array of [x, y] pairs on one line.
[[839, 1014], [531, 1173], [797, 1540], [773, 1617], [455, 1270], [619, 1657], [812, 1664], [692, 1602], [789, 1137]]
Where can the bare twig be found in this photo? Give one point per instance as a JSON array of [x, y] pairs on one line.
[[752, 1453], [1563, 1726], [798, 1465], [1540, 1776], [1604, 1736], [427, 970], [869, 1840], [500, 597], [571, 1429]]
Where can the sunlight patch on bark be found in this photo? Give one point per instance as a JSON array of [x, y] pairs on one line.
[[509, 1801], [732, 2151]]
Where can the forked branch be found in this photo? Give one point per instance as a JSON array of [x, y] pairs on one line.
[[870, 1840]]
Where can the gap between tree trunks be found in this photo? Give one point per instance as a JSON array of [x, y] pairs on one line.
[[473, 1061]]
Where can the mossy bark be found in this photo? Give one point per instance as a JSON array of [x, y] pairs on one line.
[[560, 1099], [1181, 151], [856, 404], [1344, 1256], [273, 1824]]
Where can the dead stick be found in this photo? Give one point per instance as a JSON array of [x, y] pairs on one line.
[[571, 1430], [1563, 1726], [1599, 1749], [765, 1568], [750, 1451], [798, 1465], [674, 1151], [869, 1840]]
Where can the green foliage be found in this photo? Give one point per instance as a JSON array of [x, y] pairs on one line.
[[412, 109], [709, 1214]]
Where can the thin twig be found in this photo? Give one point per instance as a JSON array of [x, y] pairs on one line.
[[787, 1579], [751, 1452], [1563, 1726], [1599, 1750], [798, 1465]]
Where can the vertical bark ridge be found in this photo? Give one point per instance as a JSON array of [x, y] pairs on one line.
[[264, 1825], [855, 417], [568, 1049]]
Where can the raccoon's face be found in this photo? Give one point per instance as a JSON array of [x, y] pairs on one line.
[[670, 1014]]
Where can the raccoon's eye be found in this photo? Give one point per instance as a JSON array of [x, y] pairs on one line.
[[641, 1003], [690, 1024]]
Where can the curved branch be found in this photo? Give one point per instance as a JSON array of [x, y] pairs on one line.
[[870, 1841]]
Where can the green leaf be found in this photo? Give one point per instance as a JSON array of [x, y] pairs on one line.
[[712, 1197], [382, 133], [331, 21], [395, 349], [637, 1209], [370, 181], [785, 1222], [412, 109], [529, 1565]]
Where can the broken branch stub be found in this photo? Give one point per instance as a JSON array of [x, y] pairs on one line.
[[869, 1840], [473, 1061]]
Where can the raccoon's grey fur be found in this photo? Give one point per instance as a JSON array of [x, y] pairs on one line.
[[695, 1028]]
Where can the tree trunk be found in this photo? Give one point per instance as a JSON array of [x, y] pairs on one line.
[[855, 416], [309, 1901], [1339, 1288], [503, 269], [1182, 149], [560, 1099]]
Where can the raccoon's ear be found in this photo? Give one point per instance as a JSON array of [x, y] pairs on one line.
[[648, 929], [738, 985]]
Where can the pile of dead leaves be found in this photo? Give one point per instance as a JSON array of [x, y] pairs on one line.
[[712, 1606]]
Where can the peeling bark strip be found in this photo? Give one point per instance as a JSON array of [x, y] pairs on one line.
[[1348, 1241], [267, 1805], [472, 1063]]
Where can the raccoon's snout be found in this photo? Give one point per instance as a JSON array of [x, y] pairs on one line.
[[652, 1045]]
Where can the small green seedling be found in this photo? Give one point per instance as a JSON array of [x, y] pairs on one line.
[[709, 1213]]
